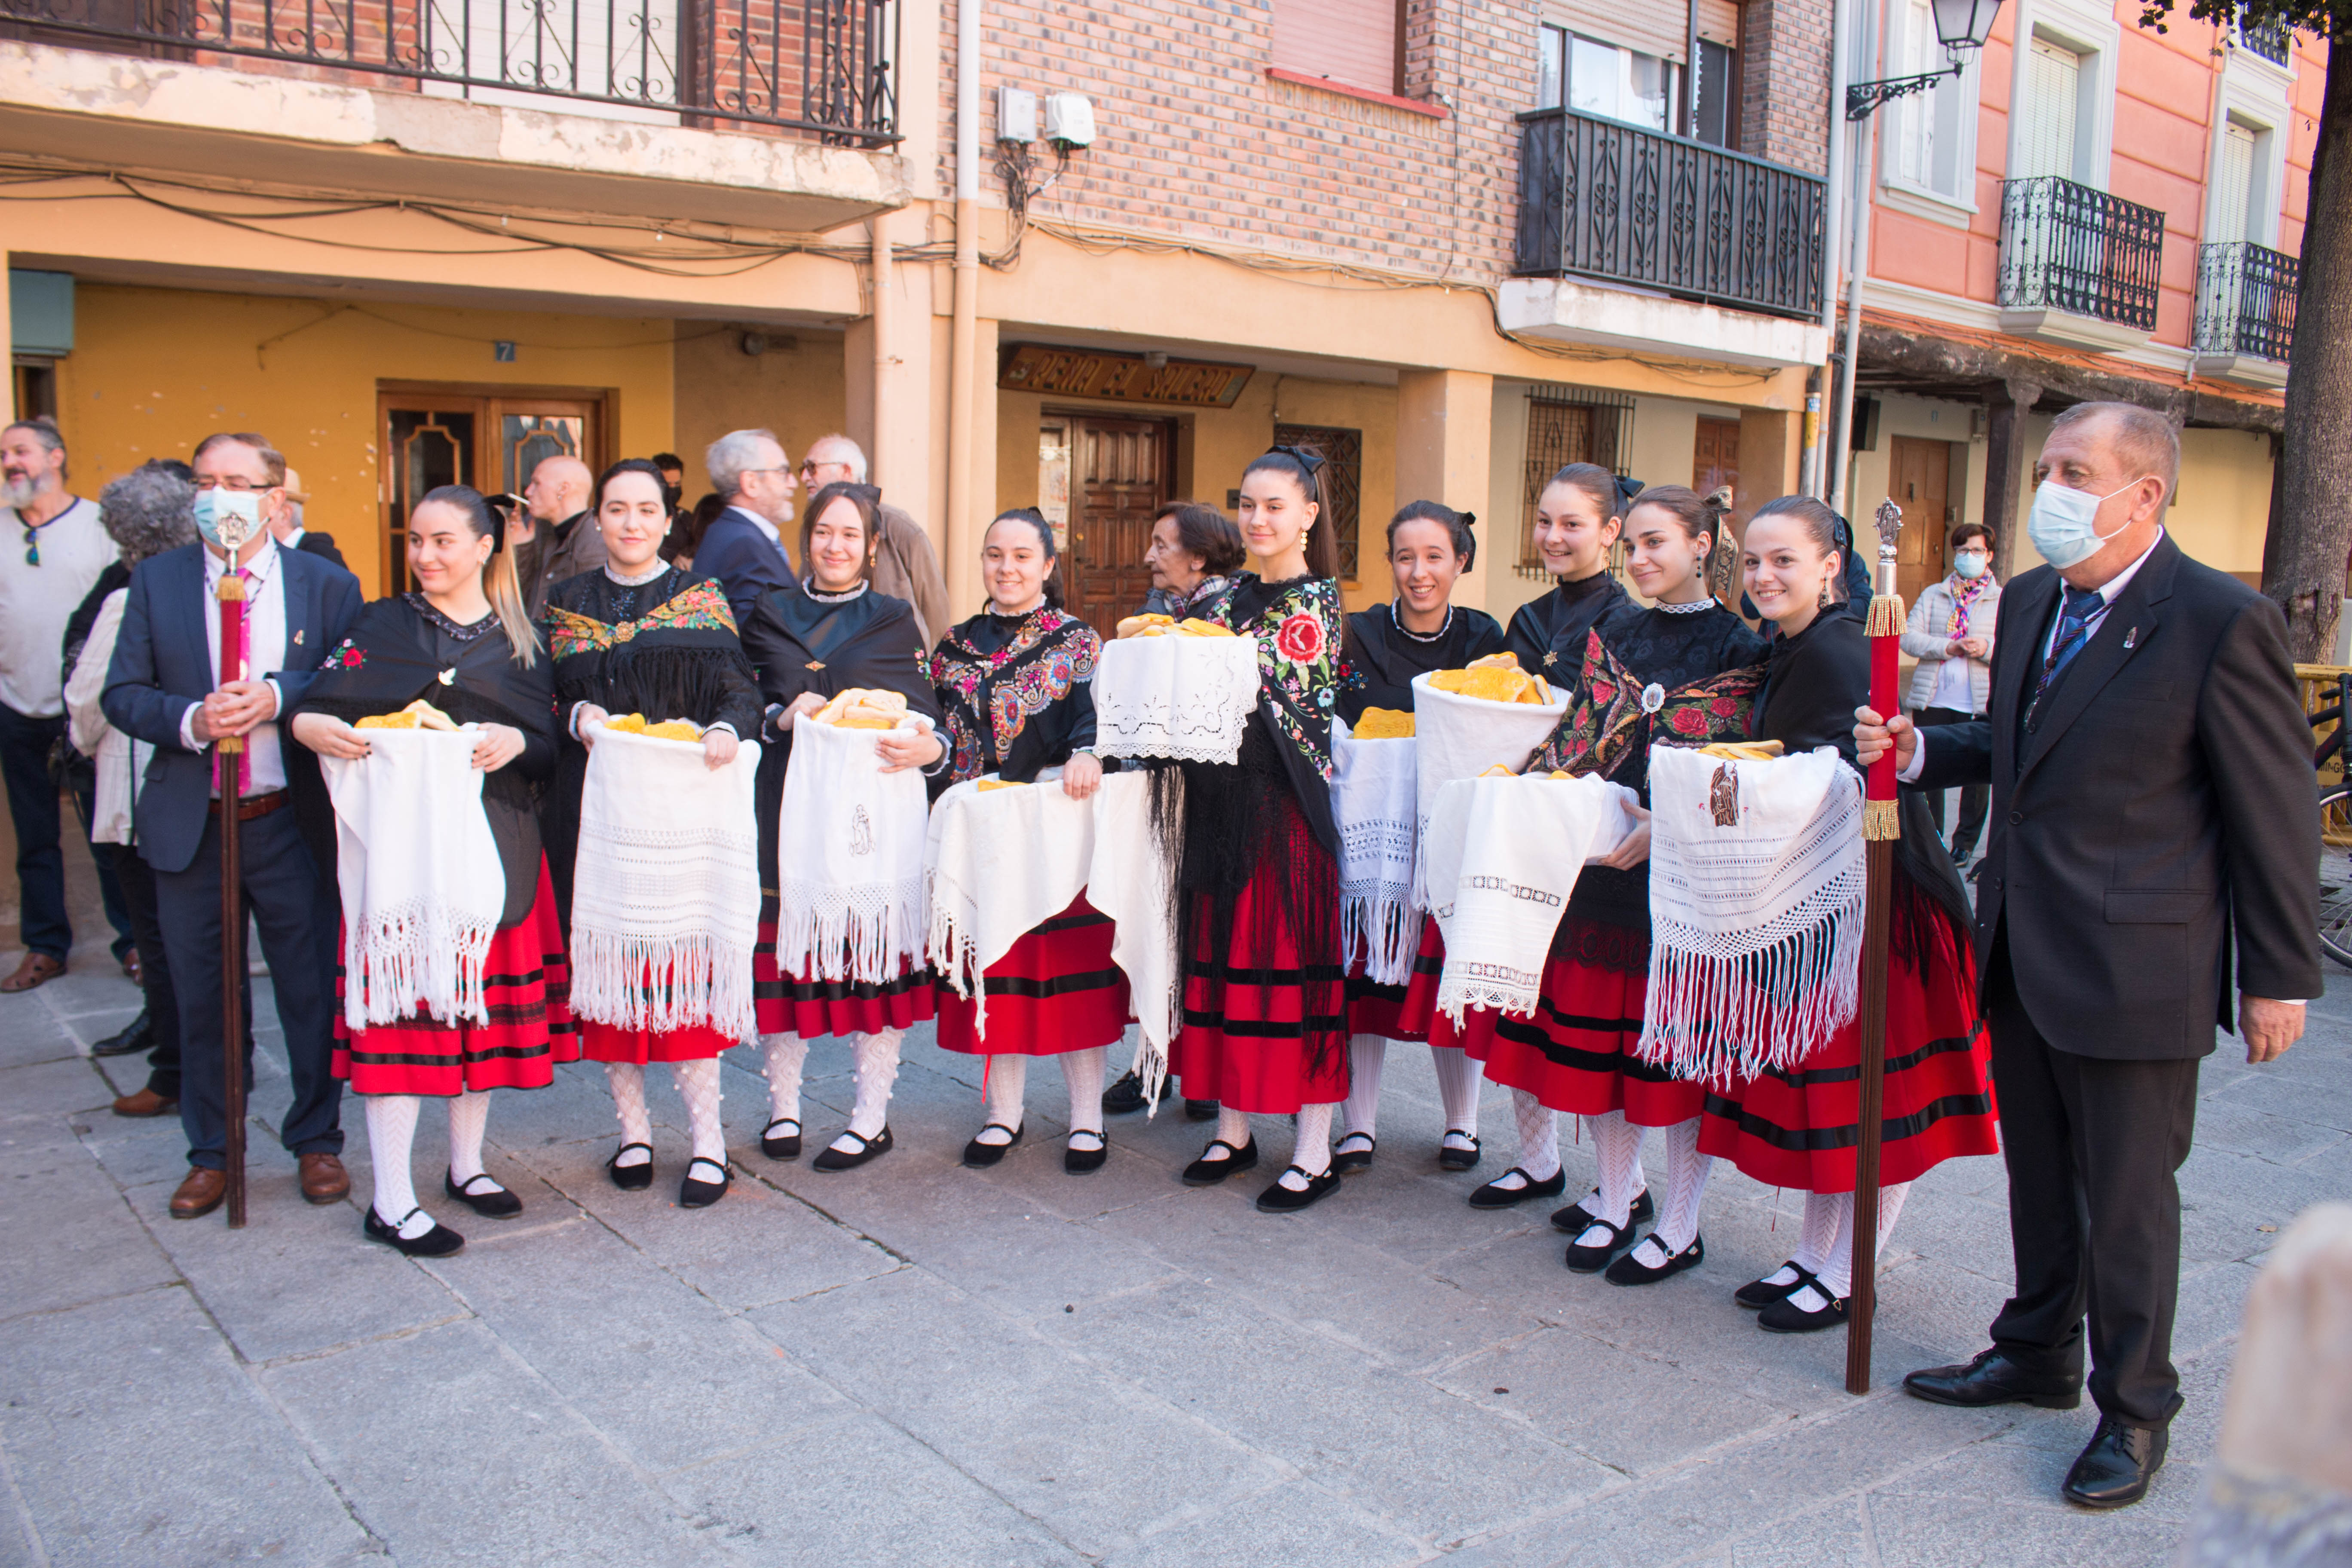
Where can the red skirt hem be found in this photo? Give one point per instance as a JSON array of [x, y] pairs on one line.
[[811, 1008], [1056, 990], [610, 1043]]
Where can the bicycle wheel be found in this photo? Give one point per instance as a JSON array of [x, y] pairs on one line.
[[2336, 872]]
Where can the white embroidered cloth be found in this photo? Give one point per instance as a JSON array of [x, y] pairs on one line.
[[1175, 697], [997, 863], [849, 858], [1458, 737], [666, 893], [1129, 883], [1373, 788], [421, 881], [1756, 910], [1503, 856]]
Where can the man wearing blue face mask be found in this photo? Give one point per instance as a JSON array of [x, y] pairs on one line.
[[2153, 818], [163, 688]]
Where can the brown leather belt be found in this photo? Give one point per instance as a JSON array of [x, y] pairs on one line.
[[252, 805]]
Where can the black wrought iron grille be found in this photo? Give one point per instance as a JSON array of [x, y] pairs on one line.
[[1598, 198], [1569, 425], [2275, 41], [817, 66], [1343, 488], [2245, 300], [2066, 247]]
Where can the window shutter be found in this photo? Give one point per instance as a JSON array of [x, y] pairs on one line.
[[1350, 41], [1660, 31]]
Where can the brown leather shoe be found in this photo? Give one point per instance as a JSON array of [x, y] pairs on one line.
[[200, 1193], [36, 968], [324, 1180], [146, 1102]]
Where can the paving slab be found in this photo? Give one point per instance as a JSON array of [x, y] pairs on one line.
[[65, 1231]]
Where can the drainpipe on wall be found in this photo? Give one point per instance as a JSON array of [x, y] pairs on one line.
[[1833, 237], [1857, 263], [884, 285], [962, 550]]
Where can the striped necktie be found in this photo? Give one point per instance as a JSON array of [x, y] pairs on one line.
[[2074, 630]]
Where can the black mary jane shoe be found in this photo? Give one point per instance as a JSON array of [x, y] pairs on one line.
[[1785, 1317], [1200, 1110], [849, 1160], [1496, 1195], [1125, 1097], [1449, 1158], [787, 1147], [438, 1242], [496, 1203], [1205, 1171], [1576, 1219], [979, 1155], [1279, 1199], [1079, 1161], [631, 1178], [2113, 1471], [699, 1194], [1584, 1259], [1631, 1270], [1347, 1161], [1758, 1294]]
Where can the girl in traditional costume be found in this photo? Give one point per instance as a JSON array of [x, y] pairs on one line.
[[1677, 673], [1429, 546], [1265, 1019], [639, 635], [821, 636], [1797, 1127], [460, 642], [1579, 516]]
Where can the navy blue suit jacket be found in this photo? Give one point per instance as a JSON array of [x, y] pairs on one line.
[[746, 563], [163, 666]]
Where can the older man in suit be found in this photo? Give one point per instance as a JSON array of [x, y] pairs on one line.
[[162, 689], [2153, 816], [904, 565], [744, 545]]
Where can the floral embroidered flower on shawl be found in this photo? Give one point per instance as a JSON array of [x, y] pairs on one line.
[[1616, 712], [991, 697], [701, 608]]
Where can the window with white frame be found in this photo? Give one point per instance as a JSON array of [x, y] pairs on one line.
[[2236, 183], [1934, 133], [1605, 79]]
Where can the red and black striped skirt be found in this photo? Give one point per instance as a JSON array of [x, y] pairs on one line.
[[526, 984], [1398, 1012], [811, 1008], [1057, 990]]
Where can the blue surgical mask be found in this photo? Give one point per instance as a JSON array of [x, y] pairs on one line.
[[2064, 523], [1969, 563], [218, 506]]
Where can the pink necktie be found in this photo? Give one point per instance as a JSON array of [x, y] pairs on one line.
[[244, 658]]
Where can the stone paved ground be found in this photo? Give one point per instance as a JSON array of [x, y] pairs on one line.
[[917, 1364]]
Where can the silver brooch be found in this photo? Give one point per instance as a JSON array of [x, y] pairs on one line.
[[1654, 696]]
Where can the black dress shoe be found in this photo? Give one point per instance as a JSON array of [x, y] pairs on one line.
[[1584, 1259], [1758, 1294], [1995, 1377], [438, 1242], [781, 1146], [1785, 1317], [1495, 1196], [700, 1194], [1631, 1269], [1279, 1199], [871, 1148], [1200, 1110], [1575, 1219], [979, 1155], [139, 1034], [1125, 1097], [1205, 1171], [632, 1178], [1077, 1162], [494, 1203], [1347, 1161], [2114, 1470], [1449, 1158]]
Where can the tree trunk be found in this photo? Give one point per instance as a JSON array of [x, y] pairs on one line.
[[2304, 566]]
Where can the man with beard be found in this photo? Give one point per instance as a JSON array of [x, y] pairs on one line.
[[55, 550]]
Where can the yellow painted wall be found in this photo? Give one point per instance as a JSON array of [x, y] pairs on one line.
[[796, 391], [2224, 511], [155, 370]]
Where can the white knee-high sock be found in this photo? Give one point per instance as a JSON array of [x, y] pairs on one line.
[[1006, 1079], [877, 1059], [1367, 1054], [1085, 1071], [1232, 1126], [1311, 1150], [1836, 1271], [1686, 1173], [697, 1085], [392, 1133], [1538, 1136], [787, 1058], [628, 1082], [1822, 1231], [469, 1118], [1458, 1078], [1617, 1150]]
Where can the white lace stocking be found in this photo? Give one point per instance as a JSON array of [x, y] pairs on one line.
[[1686, 1173], [1085, 1071], [697, 1085], [1006, 1079], [1617, 1150], [1311, 1151], [628, 1082], [877, 1059], [1458, 1078], [1538, 1136], [1367, 1054], [392, 1133], [1232, 1126], [787, 1059], [1836, 1270], [469, 1118]]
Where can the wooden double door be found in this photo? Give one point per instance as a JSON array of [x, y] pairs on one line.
[[1119, 473], [1919, 479], [489, 437]]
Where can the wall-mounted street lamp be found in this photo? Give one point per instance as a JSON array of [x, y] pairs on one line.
[[1961, 26]]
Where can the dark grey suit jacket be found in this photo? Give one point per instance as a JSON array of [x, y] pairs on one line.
[[2162, 806]]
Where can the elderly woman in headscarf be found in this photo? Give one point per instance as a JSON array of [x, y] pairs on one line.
[[148, 511]]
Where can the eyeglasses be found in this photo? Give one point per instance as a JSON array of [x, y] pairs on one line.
[[232, 483], [809, 466]]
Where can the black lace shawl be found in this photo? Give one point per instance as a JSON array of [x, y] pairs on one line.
[[1018, 691], [1547, 633], [402, 648], [1379, 658]]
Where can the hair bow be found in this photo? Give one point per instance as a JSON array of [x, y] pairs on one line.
[[1305, 456]]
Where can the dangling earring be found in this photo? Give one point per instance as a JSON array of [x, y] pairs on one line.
[[1826, 600]]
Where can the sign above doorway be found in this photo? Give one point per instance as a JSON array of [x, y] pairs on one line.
[[1120, 377]]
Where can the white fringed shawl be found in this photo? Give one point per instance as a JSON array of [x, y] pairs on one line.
[[997, 864], [1128, 881], [666, 897], [421, 884], [849, 858], [1458, 737], [1373, 790], [1756, 910], [1182, 696]]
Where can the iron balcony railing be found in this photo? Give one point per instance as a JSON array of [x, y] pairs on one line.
[[2066, 247], [2275, 41], [822, 67], [2245, 300], [1598, 198]]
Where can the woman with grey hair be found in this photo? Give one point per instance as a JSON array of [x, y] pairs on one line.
[[147, 511]]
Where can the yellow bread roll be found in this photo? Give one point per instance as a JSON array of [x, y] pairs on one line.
[[987, 784], [1498, 771], [627, 723], [1384, 725], [1743, 751], [1497, 678], [1135, 626], [673, 729], [388, 721], [429, 717], [1197, 628]]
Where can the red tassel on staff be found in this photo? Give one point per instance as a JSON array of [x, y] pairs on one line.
[[1881, 826], [229, 752]]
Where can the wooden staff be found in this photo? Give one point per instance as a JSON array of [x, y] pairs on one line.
[[1881, 826], [229, 753]]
